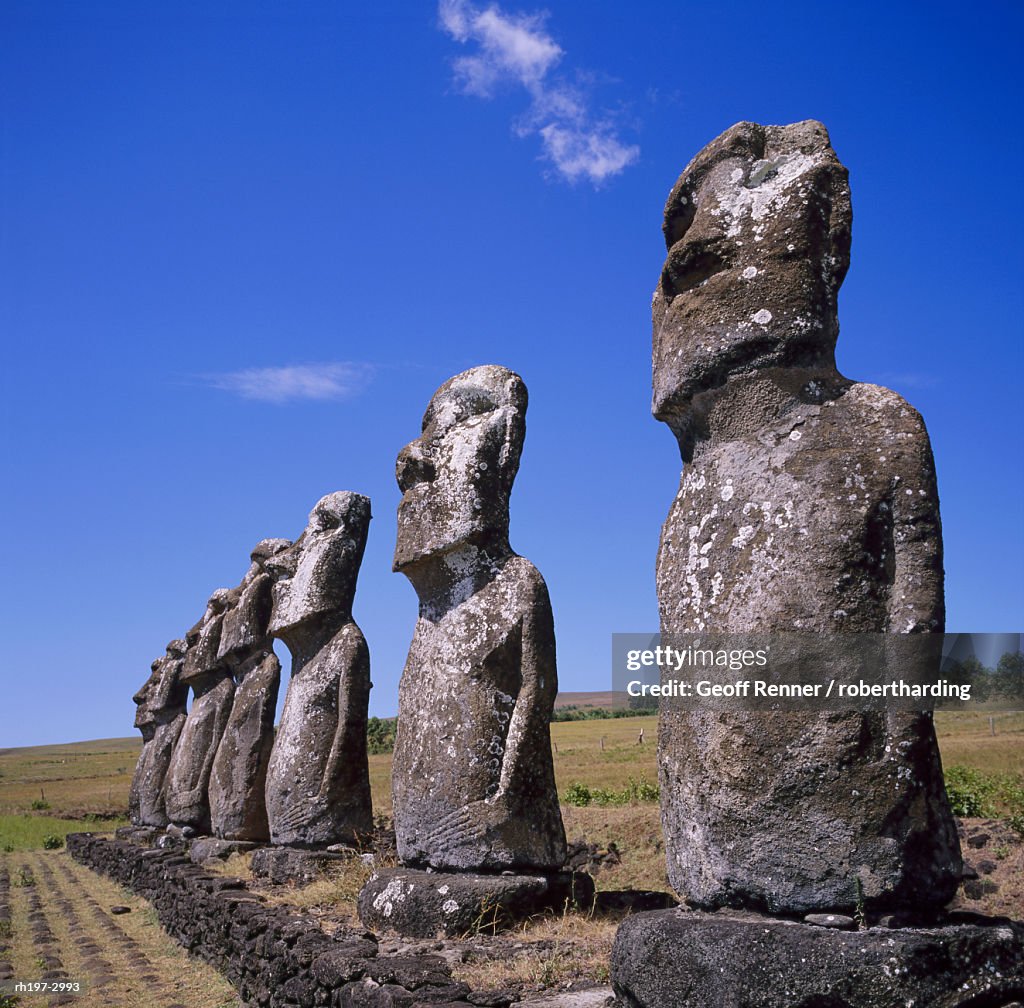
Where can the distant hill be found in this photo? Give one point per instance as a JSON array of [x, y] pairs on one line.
[[92, 746], [604, 699]]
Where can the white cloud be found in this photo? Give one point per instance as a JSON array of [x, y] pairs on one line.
[[515, 49], [329, 380], [578, 152]]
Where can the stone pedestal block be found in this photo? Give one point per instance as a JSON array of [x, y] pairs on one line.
[[690, 959], [281, 865], [421, 904]]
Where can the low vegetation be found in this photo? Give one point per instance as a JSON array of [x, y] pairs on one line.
[[131, 962]]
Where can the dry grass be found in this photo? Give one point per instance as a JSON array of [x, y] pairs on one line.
[[82, 777], [548, 952], [635, 830], [73, 779], [147, 969], [332, 898], [965, 738]]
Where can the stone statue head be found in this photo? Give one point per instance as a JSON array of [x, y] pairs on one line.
[[758, 235], [170, 694], [316, 577], [246, 623], [204, 638], [161, 692], [456, 477], [144, 716]]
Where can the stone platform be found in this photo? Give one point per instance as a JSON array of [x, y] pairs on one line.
[[422, 904], [729, 959], [281, 865]]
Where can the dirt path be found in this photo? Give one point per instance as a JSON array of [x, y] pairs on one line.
[[62, 930]]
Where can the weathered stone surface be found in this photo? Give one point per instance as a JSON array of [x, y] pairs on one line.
[[205, 849], [238, 808], [473, 780], [318, 782], [144, 836], [675, 959], [160, 716], [593, 997], [421, 904], [831, 921], [188, 777], [808, 503], [281, 865]]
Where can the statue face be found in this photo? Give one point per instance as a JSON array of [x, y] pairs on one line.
[[758, 230], [204, 638], [457, 476], [170, 693], [144, 716], [246, 623], [317, 575]]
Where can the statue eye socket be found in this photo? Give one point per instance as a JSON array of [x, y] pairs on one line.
[[326, 522]]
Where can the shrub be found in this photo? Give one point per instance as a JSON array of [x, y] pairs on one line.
[[52, 842], [380, 735], [970, 792], [636, 790], [39, 805], [577, 794]]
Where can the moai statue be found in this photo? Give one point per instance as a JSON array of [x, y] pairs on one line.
[[238, 808], [473, 780], [160, 716], [318, 782], [188, 777], [807, 503]]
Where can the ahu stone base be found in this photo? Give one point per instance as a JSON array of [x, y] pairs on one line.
[[422, 904], [730, 959], [143, 836], [283, 865]]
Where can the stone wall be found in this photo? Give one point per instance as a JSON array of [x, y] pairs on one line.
[[273, 956]]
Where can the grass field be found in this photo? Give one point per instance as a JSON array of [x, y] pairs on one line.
[[47, 791], [56, 789]]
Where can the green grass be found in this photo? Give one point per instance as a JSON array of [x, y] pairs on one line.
[[79, 780], [28, 832]]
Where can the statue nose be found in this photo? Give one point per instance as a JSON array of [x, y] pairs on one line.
[[281, 565], [413, 467]]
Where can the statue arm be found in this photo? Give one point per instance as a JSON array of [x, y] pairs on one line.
[[528, 728], [221, 714], [353, 699], [915, 602]]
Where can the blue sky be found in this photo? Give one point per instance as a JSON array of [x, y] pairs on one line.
[[243, 243]]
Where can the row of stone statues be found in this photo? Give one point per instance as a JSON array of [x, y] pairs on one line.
[[474, 784], [807, 503], [220, 768]]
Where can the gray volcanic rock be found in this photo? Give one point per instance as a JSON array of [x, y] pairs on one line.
[[204, 849], [318, 782], [422, 904], [675, 959], [160, 716], [238, 808], [188, 777], [281, 865], [808, 503], [473, 780]]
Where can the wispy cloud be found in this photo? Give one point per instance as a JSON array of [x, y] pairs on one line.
[[328, 380], [516, 50]]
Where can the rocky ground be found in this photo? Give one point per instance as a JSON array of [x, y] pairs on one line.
[[993, 869]]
